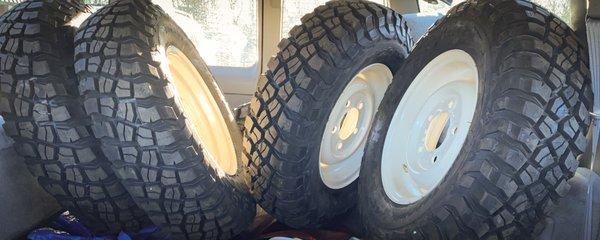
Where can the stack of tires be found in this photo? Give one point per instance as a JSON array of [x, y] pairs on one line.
[[470, 133], [475, 137], [120, 120]]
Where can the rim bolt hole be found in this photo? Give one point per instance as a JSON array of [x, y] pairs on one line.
[[348, 103], [405, 168], [435, 158]]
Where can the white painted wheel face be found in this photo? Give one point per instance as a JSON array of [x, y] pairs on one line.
[[429, 127], [203, 115], [342, 145]]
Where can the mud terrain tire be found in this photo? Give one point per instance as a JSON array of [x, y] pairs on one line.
[[40, 103], [292, 105], [524, 141], [122, 66]]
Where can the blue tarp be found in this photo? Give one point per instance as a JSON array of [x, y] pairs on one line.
[[68, 227]]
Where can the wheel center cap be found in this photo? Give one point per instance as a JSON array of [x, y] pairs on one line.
[[436, 132], [349, 123]]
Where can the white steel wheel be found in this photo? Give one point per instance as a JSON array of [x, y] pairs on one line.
[[429, 127], [342, 145], [203, 115]]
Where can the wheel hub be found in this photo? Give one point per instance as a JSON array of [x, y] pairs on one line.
[[348, 125], [437, 130], [429, 127]]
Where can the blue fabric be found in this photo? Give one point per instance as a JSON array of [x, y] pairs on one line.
[[68, 227]]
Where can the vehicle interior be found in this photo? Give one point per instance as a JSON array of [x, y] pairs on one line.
[[240, 42]]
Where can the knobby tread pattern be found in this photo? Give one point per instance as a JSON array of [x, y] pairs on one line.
[[39, 102], [536, 119], [280, 133], [118, 56]]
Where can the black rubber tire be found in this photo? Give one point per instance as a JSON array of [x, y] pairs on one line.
[[525, 139], [142, 129], [292, 104], [39, 102]]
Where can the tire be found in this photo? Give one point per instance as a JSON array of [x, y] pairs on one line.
[[122, 61], [292, 105], [524, 141], [39, 102]]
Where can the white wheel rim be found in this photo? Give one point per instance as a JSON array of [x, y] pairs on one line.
[[342, 145], [429, 127], [203, 115]]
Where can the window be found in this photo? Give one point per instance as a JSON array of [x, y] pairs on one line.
[[224, 31], [441, 7], [7, 4], [293, 10], [560, 8], [97, 2]]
